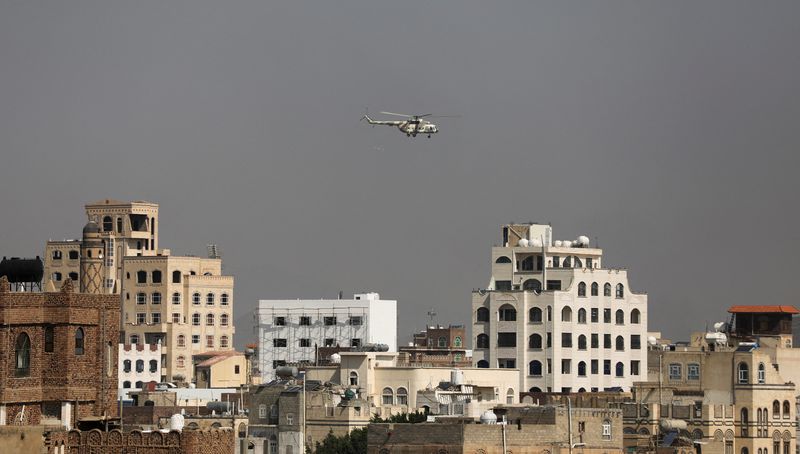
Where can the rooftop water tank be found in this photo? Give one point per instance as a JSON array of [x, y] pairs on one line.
[[457, 377], [523, 242], [336, 358], [176, 422], [286, 372], [488, 417]]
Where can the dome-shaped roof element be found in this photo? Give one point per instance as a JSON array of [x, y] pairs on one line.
[[91, 227], [488, 417]]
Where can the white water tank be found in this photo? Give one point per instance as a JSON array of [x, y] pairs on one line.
[[488, 417], [717, 338], [523, 242], [176, 422], [536, 242], [457, 377], [557, 243], [583, 240], [336, 358]]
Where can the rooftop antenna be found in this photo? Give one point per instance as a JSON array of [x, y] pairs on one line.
[[431, 314], [213, 251]]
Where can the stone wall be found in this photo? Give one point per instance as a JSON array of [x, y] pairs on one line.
[[214, 441]]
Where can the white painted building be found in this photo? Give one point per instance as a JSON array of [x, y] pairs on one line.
[[552, 311], [290, 330], [139, 364]]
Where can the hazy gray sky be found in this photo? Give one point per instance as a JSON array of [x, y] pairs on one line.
[[667, 129]]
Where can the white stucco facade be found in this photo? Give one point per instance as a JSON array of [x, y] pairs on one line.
[[289, 330], [139, 364], [552, 311]]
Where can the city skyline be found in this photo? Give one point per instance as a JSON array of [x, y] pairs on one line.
[[664, 132]]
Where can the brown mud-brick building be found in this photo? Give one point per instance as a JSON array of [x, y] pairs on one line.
[[59, 356]]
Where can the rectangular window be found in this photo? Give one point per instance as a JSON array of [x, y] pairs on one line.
[[195, 338], [675, 371], [329, 321], [693, 372], [566, 340], [606, 341], [176, 317], [262, 411], [556, 261], [280, 321], [595, 367], [279, 342], [290, 418], [634, 367], [305, 342], [355, 342], [236, 369], [210, 341], [305, 320], [606, 367], [506, 363], [109, 283], [595, 340], [278, 363], [606, 315], [553, 285], [589, 263], [549, 366], [549, 340], [141, 318], [636, 341], [141, 298], [502, 286], [356, 320], [330, 342], [566, 366], [594, 315], [506, 339], [155, 317]]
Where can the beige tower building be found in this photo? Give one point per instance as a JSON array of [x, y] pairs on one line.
[[185, 303]]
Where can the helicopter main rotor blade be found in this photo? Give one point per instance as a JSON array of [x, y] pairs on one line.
[[445, 116], [397, 114]]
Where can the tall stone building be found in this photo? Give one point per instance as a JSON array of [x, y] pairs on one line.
[[184, 303], [555, 313], [60, 361]]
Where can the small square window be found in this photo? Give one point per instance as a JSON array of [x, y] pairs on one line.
[[305, 320], [305, 342], [279, 342], [355, 342], [195, 338], [155, 317], [176, 317], [280, 321], [356, 321], [141, 318], [329, 321], [330, 342]]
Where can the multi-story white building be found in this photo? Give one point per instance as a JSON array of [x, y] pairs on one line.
[[290, 330], [552, 311], [139, 364]]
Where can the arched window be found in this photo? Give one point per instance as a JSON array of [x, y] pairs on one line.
[[223, 299], [176, 298], [153, 366], [79, 341], [209, 319], [353, 378], [532, 285], [581, 342], [126, 365], [510, 396], [141, 277], [22, 355], [139, 384], [195, 298], [762, 373], [108, 224], [745, 450], [126, 384], [195, 319], [594, 288], [607, 289], [620, 343], [210, 299], [180, 361], [535, 368], [387, 396], [566, 314], [619, 317], [786, 409], [582, 289], [139, 366], [502, 259], [526, 264], [442, 343], [620, 369], [402, 396], [181, 340], [535, 341], [535, 315], [482, 341], [620, 291], [535, 389], [223, 342], [223, 320], [581, 369], [457, 342], [606, 429], [776, 409], [49, 338], [156, 277], [636, 317], [744, 422], [744, 373], [507, 313], [582, 315], [483, 364], [483, 314], [155, 298], [176, 277]]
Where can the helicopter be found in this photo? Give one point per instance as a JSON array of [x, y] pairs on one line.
[[413, 125]]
